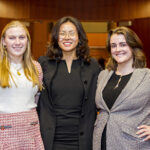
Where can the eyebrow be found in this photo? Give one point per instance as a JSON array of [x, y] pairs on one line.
[[120, 43], [15, 35], [68, 31]]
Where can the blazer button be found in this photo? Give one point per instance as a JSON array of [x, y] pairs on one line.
[[82, 115], [81, 133], [86, 98], [85, 81]]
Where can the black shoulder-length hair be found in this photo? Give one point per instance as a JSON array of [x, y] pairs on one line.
[[82, 49]]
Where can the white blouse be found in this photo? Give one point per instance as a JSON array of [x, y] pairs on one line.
[[21, 95]]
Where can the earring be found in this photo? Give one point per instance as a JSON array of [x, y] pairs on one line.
[[5, 47]]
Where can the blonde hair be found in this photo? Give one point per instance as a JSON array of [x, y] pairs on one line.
[[29, 68]]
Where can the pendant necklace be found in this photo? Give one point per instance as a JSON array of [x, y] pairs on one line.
[[117, 85], [17, 68], [18, 72]]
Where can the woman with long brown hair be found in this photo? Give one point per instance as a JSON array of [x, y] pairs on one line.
[[123, 95]]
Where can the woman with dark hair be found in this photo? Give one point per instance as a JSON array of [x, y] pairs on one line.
[[67, 109], [123, 96]]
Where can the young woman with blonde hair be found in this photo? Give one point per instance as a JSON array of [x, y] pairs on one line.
[[20, 81]]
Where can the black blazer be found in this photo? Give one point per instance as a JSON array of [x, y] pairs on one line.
[[89, 74]]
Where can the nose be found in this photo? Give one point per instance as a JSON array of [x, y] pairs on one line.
[[17, 41], [117, 48], [67, 36]]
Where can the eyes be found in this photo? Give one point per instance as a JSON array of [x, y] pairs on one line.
[[21, 37], [121, 44], [63, 34]]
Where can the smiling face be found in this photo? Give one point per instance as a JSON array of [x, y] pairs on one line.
[[120, 50], [68, 37], [15, 41]]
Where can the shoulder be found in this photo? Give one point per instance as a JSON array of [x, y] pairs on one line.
[[43, 59], [94, 65], [39, 69], [144, 71], [94, 62], [37, 65], [104, 73]]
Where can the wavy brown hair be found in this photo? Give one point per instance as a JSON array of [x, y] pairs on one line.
[[82, 49], [133, 41]]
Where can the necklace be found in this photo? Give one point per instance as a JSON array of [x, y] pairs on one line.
[[17, 68], [18, 72], [118, 82]]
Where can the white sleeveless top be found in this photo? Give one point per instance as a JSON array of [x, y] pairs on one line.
[[18, 98]]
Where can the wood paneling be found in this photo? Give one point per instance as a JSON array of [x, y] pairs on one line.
[[39, 36], [97, 43], [97, 39], [16, 9], [132, 9], [38, 11], [142, 28], [85, 10], [99, 53]]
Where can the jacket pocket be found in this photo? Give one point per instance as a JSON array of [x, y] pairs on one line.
[[130, 138]]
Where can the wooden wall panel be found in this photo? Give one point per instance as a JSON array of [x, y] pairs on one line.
[[39, 36], [142, 28], [97, 39], [85, 10], [3, 22], [18, 9], [134, 9], [99, 53], [97, 43]]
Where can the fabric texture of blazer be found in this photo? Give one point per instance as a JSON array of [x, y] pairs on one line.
[[131, 109], [47, 116]]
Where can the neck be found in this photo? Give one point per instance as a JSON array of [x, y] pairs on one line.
[[124, 70], [69, 57], [15, 60]]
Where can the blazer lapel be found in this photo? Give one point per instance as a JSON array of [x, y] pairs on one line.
[[102, 86], [49, 72], [132, 84]]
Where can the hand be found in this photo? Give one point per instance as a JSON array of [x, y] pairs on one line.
[[144, 130]]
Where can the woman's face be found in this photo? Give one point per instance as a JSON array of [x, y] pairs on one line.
[[68, 37], [120, 50], [15, 41]]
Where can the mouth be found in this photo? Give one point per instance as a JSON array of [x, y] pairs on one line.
[[120, 54], [67, 44], [17, 48]]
